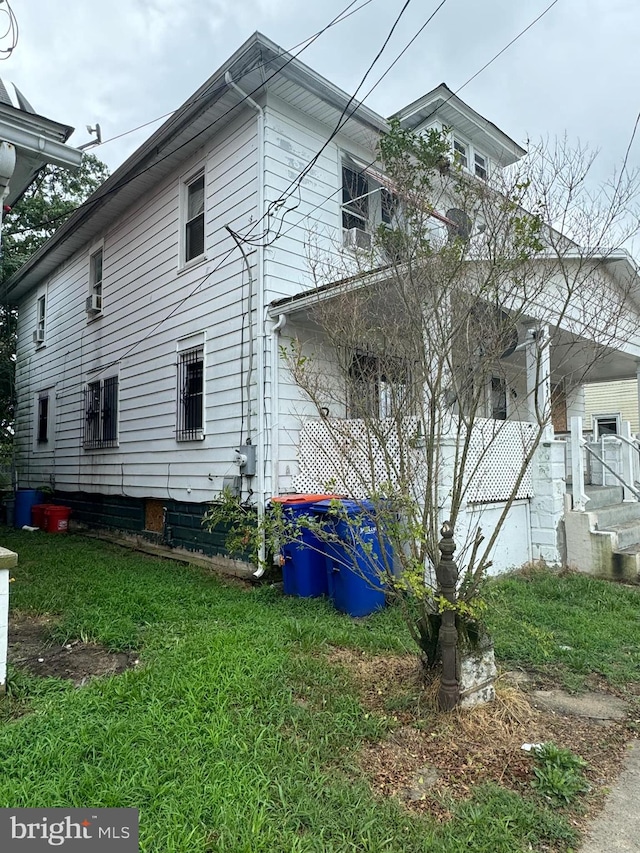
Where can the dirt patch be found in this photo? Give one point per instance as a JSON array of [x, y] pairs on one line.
[[456, 751], [30, 648]]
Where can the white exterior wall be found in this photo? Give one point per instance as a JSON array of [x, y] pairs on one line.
[[136, 338], [313, 231]]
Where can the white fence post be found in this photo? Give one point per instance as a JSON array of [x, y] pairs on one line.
[[577, 466], [627, 451]]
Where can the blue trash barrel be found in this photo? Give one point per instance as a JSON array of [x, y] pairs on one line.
[[357, 560], [25, 499], [304, 571]]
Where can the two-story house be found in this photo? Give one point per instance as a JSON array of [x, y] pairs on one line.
[[148, 367]]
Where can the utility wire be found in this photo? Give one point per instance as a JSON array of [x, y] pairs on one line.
[[453, 94], [338, 20], [97, 197]]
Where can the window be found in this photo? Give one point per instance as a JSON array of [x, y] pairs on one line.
[[378, 386], [41, 314], [470, 159], [355, 199], [194, 219], [190, 415], [498, 398], [389, 203], [101, 413], [95, 273], [481, 165], [43, 417], [460, 153]]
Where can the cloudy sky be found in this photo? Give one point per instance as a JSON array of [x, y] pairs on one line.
[[126, 62]]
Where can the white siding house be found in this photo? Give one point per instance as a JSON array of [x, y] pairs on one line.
[[151, 322]]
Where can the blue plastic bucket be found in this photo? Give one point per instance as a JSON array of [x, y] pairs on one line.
[[25, 499]]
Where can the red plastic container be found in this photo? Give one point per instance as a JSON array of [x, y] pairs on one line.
[[56, 519], [38, 515]]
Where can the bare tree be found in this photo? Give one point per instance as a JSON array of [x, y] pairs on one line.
[[475, 296]]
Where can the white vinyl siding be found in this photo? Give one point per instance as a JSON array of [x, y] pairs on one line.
[[151, 306]]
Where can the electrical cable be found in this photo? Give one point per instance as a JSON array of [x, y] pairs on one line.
[[453, 94], [342, 17], [12, 31], [95, 199]]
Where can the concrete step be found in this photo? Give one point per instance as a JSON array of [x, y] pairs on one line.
[[625, 565], [610, 516], [600, 496], [627, 535]]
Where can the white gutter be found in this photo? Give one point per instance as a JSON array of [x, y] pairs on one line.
[[261, 462], [48, 149]]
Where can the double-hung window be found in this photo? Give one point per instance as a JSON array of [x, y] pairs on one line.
[[41, 320], [190, 403], [470, 159], [355, 199], [101, 413], [193, 236]]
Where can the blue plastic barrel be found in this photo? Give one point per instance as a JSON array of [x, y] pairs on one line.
[[25, 499], [304, 571], [357, 560]]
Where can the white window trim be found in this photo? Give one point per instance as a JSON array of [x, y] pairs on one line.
[[40, 330], [471, 151], [183, 198], [193, 342], [100, 375], [48, 445], [93, 314]]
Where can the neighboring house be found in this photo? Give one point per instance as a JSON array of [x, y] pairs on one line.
[[611, 403], [148, 344], [28, 142]]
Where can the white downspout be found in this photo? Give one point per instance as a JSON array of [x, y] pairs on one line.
[[275, 400], [261, 493]]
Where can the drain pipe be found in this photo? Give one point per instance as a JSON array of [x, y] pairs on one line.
[[275, 400], [260, 329]]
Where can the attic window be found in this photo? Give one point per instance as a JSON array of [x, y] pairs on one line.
[[480, 165], [460, 153]]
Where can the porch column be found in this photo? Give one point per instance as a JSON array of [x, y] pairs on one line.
[[538, 364], [638, 388]]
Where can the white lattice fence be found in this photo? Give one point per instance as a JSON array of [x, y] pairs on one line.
[[347, 458], [497, 453]]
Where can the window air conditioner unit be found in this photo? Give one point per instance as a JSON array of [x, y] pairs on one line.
[[356, 238], [38, 336], [93, 305]]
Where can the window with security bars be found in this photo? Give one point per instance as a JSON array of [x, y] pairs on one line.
[[43, 419], [101, 413], [190, 395]]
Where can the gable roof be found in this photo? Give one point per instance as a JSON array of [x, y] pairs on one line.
[[257, 65], [443, 105]]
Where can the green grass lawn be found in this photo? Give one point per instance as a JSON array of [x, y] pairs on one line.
[[208, 736]]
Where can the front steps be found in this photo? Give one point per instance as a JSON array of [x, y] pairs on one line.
[[605, 539]]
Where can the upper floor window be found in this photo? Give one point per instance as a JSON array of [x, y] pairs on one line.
[[41, 318], [194, 218], [101, 413], [190, 414], [94, 300], [355, 199], [460, 153], [470, 158]]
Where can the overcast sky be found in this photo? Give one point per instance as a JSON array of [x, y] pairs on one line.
[[125, 62]]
